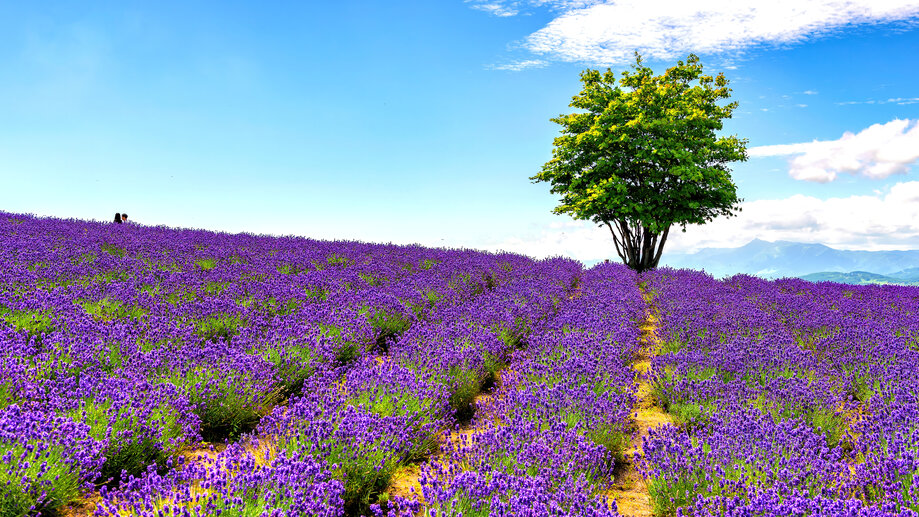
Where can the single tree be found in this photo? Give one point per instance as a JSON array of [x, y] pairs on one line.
[[643, 156]]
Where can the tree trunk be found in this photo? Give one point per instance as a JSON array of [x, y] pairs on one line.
[[637, 247]]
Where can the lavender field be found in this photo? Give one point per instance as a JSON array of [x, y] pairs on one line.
[[167, 372]]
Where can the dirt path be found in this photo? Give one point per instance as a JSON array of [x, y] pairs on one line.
[[629, 489]]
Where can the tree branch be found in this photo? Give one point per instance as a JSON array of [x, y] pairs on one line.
[[660, 249], [616, 241]]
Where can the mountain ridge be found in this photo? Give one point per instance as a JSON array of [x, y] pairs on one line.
[[795, 259]]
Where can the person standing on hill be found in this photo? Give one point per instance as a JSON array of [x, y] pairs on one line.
[[118, 218]]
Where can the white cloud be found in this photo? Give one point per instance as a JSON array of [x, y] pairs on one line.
[[519, 65], [876, 221], [871, 222], [899, 100], [809, 92], [495, 8], [608, 32], [875, 152]]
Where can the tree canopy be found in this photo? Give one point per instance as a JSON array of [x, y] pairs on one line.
[[643, 155]]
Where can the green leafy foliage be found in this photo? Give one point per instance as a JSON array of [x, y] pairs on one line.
[[401, 402], [643, 155], [388, 325], [337, 260], [365, 473]]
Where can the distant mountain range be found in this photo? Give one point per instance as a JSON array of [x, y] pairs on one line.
[[815, 262]]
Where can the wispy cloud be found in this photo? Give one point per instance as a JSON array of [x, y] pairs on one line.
[[501, 9], [608, 32], [519, 65], [875, 152], [898, 100], [809, 92]]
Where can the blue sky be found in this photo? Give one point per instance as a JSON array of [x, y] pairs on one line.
[[422, 121]]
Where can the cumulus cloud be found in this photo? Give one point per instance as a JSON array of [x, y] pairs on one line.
[[875, 152], [882, 220], [607, 32], [878, 221]]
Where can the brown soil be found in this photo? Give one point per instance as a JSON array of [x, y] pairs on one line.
[[83, 508], [629, 490], [202, 452]]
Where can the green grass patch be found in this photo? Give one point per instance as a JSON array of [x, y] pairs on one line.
[[35, 266], [337, 260], [276, 307], [825, 420], [427, 263], [692, 415], [317, 293], [365, 470], [401, 403], [371, 279], [291, 269], [34, 323], [108, 309], [206, 264], [85, 258], [219, 326], [113, 250], [215, 288]]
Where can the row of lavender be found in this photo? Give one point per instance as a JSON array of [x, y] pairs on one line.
[[123, 345], [546, 443], [356, 425], [570, 379], [792, 398]]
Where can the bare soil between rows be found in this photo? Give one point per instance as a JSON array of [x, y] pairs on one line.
[[629, 490]]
